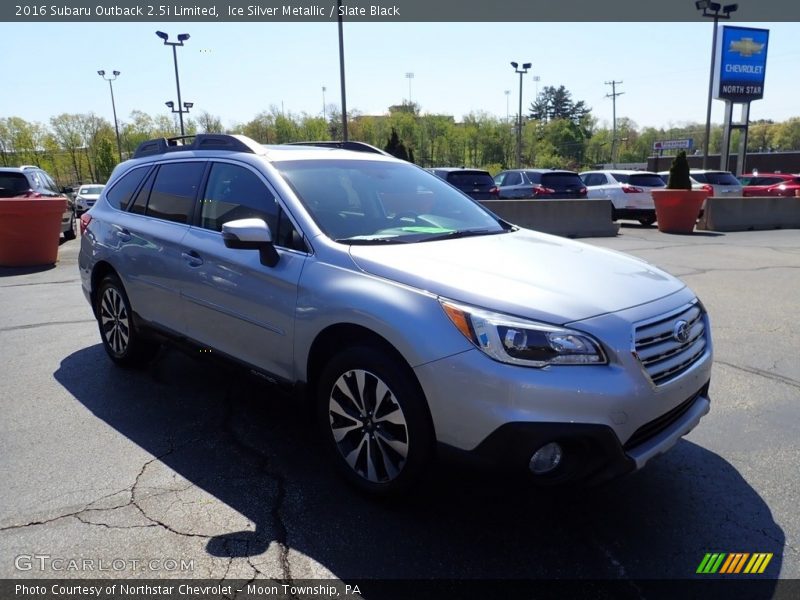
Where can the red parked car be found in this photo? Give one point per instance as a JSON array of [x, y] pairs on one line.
[[770, 184]]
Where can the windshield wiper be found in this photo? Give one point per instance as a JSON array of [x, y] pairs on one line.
[[360, 241], [461, 233]]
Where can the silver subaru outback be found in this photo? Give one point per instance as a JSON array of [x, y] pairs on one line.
[[412, 316]]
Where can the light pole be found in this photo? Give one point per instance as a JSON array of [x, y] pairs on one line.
[[712, 11], [522, 71], [324, 113], [341, 69], [409, 76], [182, 37], [113, 107], [186, 106], [507, 93]]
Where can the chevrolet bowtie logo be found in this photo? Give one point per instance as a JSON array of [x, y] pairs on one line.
[[746, 47]]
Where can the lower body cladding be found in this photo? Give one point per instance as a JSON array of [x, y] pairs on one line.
[[560, 424]]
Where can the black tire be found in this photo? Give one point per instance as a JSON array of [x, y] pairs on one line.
[[69, 234], [123, 343], [647, 221], [389, 440]]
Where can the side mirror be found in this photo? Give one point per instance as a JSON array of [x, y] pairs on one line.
[[251, 234], [67, 190]]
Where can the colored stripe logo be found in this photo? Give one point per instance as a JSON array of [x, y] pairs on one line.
[[734, 563]]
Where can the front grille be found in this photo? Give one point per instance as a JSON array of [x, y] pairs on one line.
[[656, 426], [662, 352]]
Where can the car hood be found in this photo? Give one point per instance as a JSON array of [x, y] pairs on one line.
[[88, 196], [522, 273]]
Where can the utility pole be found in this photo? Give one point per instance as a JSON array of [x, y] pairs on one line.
[[613, 95]]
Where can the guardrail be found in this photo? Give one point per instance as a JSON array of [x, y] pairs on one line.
[[567, 218], [750, 213]]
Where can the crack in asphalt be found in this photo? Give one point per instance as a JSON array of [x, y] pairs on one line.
[[621, 571], [762, 373], [276, 511], [47, 324]]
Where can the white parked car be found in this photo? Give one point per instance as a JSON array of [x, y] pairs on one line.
[[629, 192]]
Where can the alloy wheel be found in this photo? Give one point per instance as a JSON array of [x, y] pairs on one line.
[[368, 425], [114, 321]]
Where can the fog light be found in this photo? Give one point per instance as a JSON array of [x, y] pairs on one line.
[[545, 459]]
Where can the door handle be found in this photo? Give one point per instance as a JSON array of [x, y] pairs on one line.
[[123, 234], [192, 258]]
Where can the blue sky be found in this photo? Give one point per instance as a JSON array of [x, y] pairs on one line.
[[235, 70]]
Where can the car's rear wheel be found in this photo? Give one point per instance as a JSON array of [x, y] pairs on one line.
[[123, 343], [374, 419], [647, 221]]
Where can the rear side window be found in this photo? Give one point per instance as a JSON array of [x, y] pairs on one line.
[[174, 191], [13, 184], [534, 176], [120, 195], [513, 179], [234, 192], [560, 181]]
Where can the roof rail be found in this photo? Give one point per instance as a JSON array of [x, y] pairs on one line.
[[202, 141], [348, 145]]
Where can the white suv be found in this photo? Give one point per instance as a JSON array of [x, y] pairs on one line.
[[629, 192]]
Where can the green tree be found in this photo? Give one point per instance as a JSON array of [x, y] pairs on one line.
[[395, 147], [557, 103]]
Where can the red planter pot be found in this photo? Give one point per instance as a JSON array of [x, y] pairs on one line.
[[677, 210], [29, 230]]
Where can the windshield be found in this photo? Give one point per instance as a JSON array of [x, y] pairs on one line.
[[359, 201], [716, 178], [13, 184], [91, 190], [639, 179]]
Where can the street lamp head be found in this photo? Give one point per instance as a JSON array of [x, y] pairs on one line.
[[526, 65], [515, 65], [701, 4], [170, 104], [188, 105], [729, 8], [162, 35], [116, 73], [101, 73], [715, 6], [182, 37]]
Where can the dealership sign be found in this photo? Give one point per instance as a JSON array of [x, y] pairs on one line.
[[674, 144], [741, 59]]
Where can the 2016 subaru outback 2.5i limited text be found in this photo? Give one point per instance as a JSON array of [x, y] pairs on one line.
[[412, 315]]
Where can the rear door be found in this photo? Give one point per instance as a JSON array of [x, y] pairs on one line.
[[148, 241], [515, 185]]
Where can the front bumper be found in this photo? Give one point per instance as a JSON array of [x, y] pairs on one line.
[[592, 453]]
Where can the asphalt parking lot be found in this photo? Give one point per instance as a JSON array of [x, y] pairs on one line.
[[191, 461]]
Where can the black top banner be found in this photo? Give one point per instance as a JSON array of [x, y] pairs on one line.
[[386, 10]]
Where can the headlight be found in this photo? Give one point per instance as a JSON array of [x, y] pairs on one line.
[[522, 342]]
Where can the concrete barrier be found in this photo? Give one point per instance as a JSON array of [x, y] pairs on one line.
[[567, 218], [747, 214]]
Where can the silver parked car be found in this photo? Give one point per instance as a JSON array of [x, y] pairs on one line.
[[86, 197], [410, 314]]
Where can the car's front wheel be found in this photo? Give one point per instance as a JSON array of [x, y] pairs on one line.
[[69, 234], [374, 419], [123, 343]]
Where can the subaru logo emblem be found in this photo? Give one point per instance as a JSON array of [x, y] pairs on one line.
[[681, 332]]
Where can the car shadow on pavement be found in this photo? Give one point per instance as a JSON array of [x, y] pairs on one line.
[[250, 446], [14, 271]]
